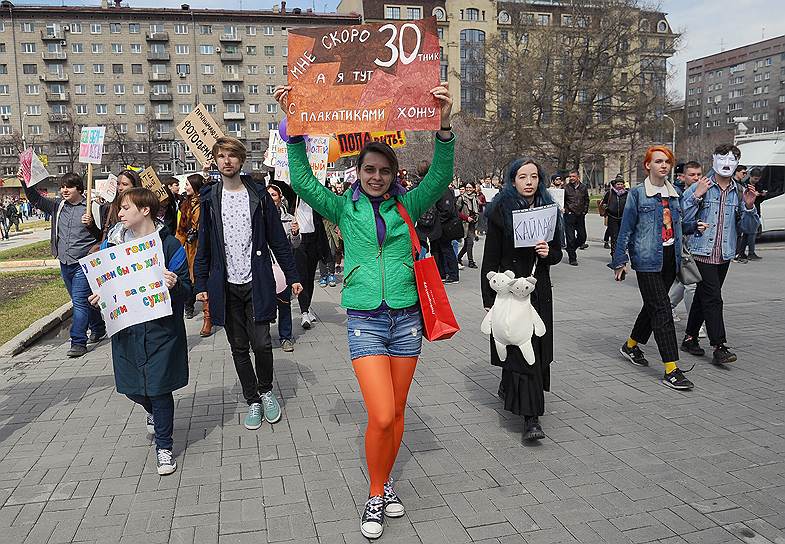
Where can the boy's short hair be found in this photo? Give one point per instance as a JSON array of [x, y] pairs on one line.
[[72, 180], [756, 172], [230, 144], [724, 149], [142, 198], [692, 164]]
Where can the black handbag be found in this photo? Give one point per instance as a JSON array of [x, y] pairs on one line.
[[453, 229]]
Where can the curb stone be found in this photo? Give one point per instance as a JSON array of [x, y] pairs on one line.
[[36, 330]]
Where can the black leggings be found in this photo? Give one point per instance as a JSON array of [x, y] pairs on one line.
[[307, 259]]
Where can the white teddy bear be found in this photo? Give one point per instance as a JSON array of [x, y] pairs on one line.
[[513, 320]]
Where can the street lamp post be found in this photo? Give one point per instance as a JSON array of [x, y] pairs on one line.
[[673, 144]]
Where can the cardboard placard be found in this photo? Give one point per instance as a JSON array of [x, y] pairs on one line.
[[91, 145], [106, 188], [534, 224], [150, 181], [316, 147], [352, 143], [364, 78], [350, 175], [130, 281], [199, 131], [33, 170]]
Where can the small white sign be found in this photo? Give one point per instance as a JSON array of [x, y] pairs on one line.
[[558, 196], [534, 225], [91, 144]]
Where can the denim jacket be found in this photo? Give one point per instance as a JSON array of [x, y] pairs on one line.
[[736, 219], [641, 228]]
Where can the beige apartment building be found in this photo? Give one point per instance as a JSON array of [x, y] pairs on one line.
[[139, 72]]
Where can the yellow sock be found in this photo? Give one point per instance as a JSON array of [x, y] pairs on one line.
[[670, 367], [631, 343]]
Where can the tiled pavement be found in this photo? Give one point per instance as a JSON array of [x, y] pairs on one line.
[[626, 459]]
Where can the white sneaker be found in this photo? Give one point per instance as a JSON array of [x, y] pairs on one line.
[[676, 318], [702, 332], [165, 461], [460, 266], [312, 316], [305, 321]]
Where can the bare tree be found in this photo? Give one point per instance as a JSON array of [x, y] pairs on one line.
[[66, 136], [123, 149]]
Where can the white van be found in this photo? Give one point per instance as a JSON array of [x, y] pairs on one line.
[[767, 151]]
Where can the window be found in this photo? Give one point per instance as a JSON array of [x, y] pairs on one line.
[[34, 129], [80, 88], [253, 69], [544, 19], [119, 109], [233, 108], [230, 30], [97, 48], [254, 89], [77, 48], [136, 48], [254, 108], [208, 69], [253, 126], [160, 88], [269, 50], [181, 28], [28, 47], [210, 108], [99, 88], [414, 13], [138, 88], [269, 70], [136, 68], [95, 28], [141, 128], [208, 89], [206, 49], [139, 109], [185, 109], [272, 108], [768, 62], [33, 109], [117, 48], [234, 128], [29, 68], [114, 28], [32, 89], [155, 28], [566, 20], [133, 28], [472, 14], [268, 31], [181, 49], [392, 12], [4, 89], [183, 68], [119, 88], [81, 109], [250, 50], [205, 30], [28, 27], [285, 51], [250, 30], [78, 68], [117, 68]]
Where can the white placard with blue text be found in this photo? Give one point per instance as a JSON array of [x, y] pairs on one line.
[[534, 225]]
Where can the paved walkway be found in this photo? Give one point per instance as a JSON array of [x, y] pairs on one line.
[[625, 460]]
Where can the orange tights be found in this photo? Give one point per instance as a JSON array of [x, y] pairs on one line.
[[384, 382]]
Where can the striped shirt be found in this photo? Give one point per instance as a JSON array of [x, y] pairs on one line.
[[716, 250]]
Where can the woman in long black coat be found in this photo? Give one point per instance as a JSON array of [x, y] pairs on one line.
[[522, 387]]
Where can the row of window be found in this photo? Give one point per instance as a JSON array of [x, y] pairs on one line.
[[56, 29], [99, 68], [137, 88], [136, 48], [139, 109]]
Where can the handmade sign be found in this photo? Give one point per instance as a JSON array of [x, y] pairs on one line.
[[199, 131], [33, 170], [91, 145], [364, 78], [352, 143], [316, 147], [558, 195], [150, 181], [350, 175], [130, 281], [489, 193], [107, 188], [534, 224]]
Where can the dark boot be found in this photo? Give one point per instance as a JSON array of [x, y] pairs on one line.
[[207, 326], [532, 429]]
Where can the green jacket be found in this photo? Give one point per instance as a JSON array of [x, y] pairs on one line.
[[374, 273]]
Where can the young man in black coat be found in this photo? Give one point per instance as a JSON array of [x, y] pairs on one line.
[[233, 271]]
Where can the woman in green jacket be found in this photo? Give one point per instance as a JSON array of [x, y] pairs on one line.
[[379, 292]]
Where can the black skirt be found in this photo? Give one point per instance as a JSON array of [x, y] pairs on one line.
[[522, 386]]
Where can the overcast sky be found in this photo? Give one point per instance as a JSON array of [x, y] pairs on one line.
[[708, 26]]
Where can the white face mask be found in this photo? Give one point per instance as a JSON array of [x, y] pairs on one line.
[[725, 165]]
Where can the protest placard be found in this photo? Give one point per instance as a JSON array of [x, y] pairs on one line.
[[352, 143], [534, 224], [199, 131], [150, 181], [316, 147], [91, 144], [364, 78], [129, 278], [350, 175], [33, 170], [558, 196], [489, 193], [107, 188]]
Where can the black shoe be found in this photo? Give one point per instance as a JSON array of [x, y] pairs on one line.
[[574, 262], [372, 521], [94, 338], [606, 245], [393, 507], [500, 392], [452, 280], [691, 346], [76, 351], [532, 429], [741, 258], [189, 312], [472, 264], [635, 355], [584, 246], [676, 380], [722, 355], [754, 257]]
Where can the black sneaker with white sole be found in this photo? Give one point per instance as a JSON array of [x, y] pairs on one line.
[[150, 424], [372, 521], [676, 380], [532, 429], [691, 346], [722, 355], [635, 355], [166, 462], [393, 507], [95, 338]]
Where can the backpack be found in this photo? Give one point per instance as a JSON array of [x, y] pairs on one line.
[[428, 218]]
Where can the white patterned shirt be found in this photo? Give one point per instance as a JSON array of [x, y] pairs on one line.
[[236, 217]]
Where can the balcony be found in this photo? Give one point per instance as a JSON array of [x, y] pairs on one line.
[[54, 78], [161, 97], [156, 55], [58, 97], [164, 116], [233, 116], [160, 77], [238, 96], [54, 55], [230, 38], [232, 77], [57, 117], [231, 57], [52, 34], [157, 36]]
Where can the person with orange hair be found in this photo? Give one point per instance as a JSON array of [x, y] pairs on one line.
[[651, 232]]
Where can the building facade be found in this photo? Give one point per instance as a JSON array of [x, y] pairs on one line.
[[139, 72], [746, 85]]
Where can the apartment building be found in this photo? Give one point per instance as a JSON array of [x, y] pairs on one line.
[[138, 72], [745, 82]]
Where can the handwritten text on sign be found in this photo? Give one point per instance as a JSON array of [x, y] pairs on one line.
[[364, 78], [316, 147], [130, 281], [351, 144], [91, 144], [199, 131], [533, 225], [150, 181]]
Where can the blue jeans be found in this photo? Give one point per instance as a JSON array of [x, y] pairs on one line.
[[85, 315], [162, 408], [284, 302], [396, 333]]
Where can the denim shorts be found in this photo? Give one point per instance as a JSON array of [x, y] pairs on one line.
[[393, 333]]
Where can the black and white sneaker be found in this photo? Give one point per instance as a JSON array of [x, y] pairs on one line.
[[166, 463], [532, 429], [690, 345], [722, 355], [150, 424], [635, 355], [676, 380], [372, 522], [393, 507]]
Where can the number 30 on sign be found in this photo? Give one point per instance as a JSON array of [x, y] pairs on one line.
[[371, 77]]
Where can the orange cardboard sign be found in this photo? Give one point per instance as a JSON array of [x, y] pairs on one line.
[[351, 144], [366, 78]]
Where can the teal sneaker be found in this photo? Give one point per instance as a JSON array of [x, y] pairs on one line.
[[272, 410], [254, 418]]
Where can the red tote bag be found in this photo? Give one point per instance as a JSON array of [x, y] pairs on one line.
[[438, 319]]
